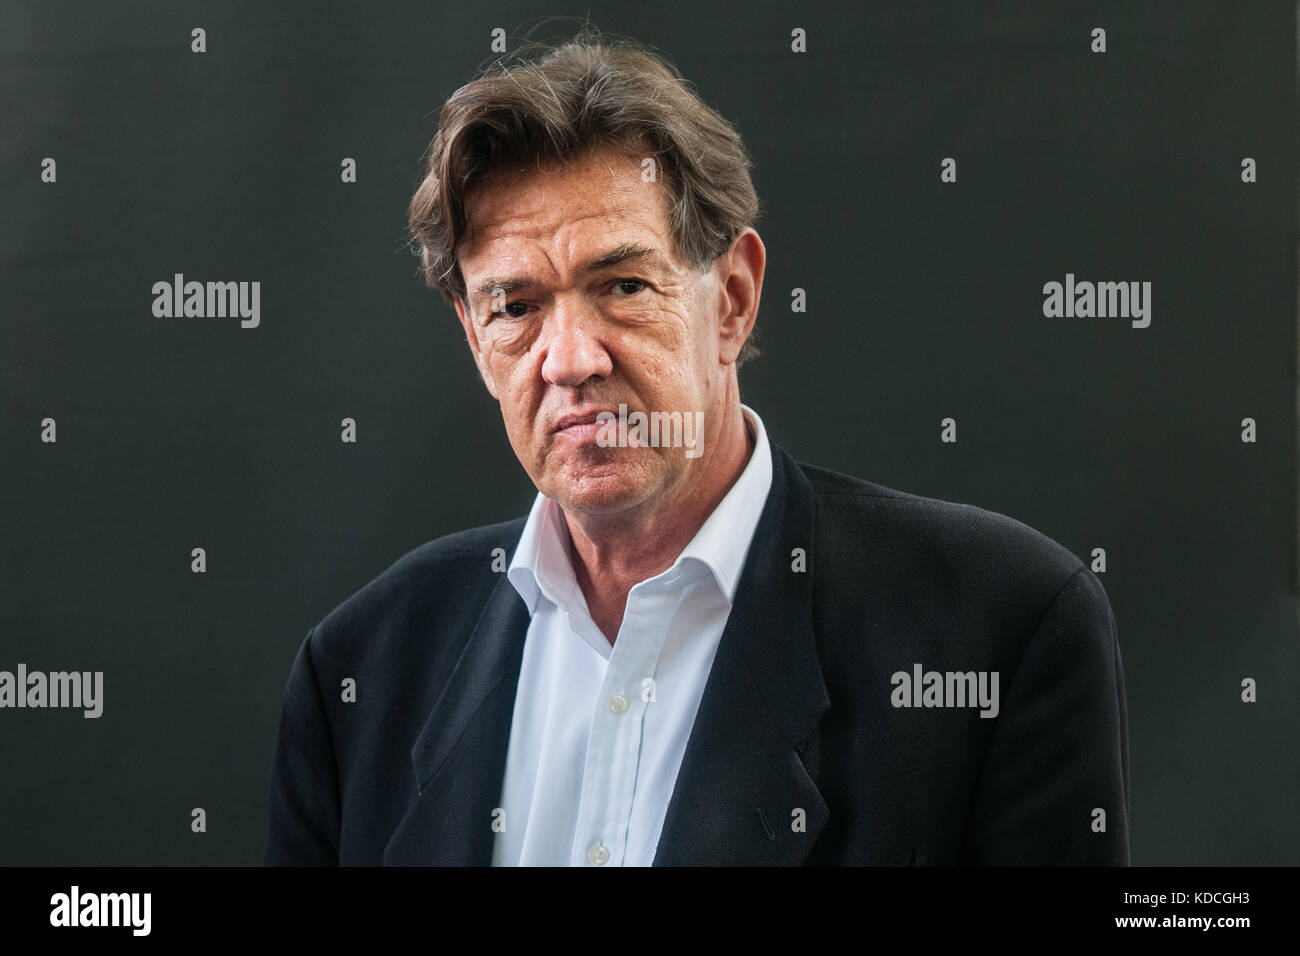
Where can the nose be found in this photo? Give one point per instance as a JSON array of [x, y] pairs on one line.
[[574, 350]]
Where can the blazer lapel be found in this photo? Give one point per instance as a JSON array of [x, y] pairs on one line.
[[746, 792], [459, 756]]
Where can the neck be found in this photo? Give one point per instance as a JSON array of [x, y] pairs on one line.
[[611, 553]]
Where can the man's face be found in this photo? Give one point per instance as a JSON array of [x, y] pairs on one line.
[[577, 305]]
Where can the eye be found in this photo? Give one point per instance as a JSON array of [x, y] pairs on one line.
[[512, 310], [638, 284]]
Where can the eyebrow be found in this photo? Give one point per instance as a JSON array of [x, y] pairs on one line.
[[628, 252]]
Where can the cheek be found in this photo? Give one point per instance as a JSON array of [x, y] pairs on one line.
[[691, 353], [666, 379], [661, 362], [503, 368], [513, 341], [518, 394]]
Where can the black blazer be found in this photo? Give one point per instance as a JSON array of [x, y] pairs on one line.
[[798, 713]]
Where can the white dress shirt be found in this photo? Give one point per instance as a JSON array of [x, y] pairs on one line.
[[599, 731]]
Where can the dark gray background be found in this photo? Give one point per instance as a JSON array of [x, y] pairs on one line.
[[924, 302]]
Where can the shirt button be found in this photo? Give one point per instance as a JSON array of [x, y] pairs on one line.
[[618, 704], [598, 855]]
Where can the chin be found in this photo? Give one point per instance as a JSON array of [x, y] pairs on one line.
[[600, 487], [599, 497]]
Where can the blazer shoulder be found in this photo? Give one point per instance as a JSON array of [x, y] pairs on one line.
[[926, 537], [826, 483], [446, 578]]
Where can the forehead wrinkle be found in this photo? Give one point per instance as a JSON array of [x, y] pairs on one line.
[[506, 190], [542, 218], [505, 274], [539, 233]]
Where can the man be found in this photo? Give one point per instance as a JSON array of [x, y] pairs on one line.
[[700, 651]]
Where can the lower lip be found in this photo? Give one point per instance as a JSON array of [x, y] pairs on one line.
[[582, 432]]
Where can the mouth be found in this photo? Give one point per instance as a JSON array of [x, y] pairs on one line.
[[581, 426]]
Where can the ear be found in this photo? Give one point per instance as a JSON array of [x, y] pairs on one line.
[[741, 286], [475, 346]]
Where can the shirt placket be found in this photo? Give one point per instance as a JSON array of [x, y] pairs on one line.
[[617, 726]]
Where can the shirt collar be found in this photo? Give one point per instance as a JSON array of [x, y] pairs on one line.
[[723, 540], [541, 564]]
